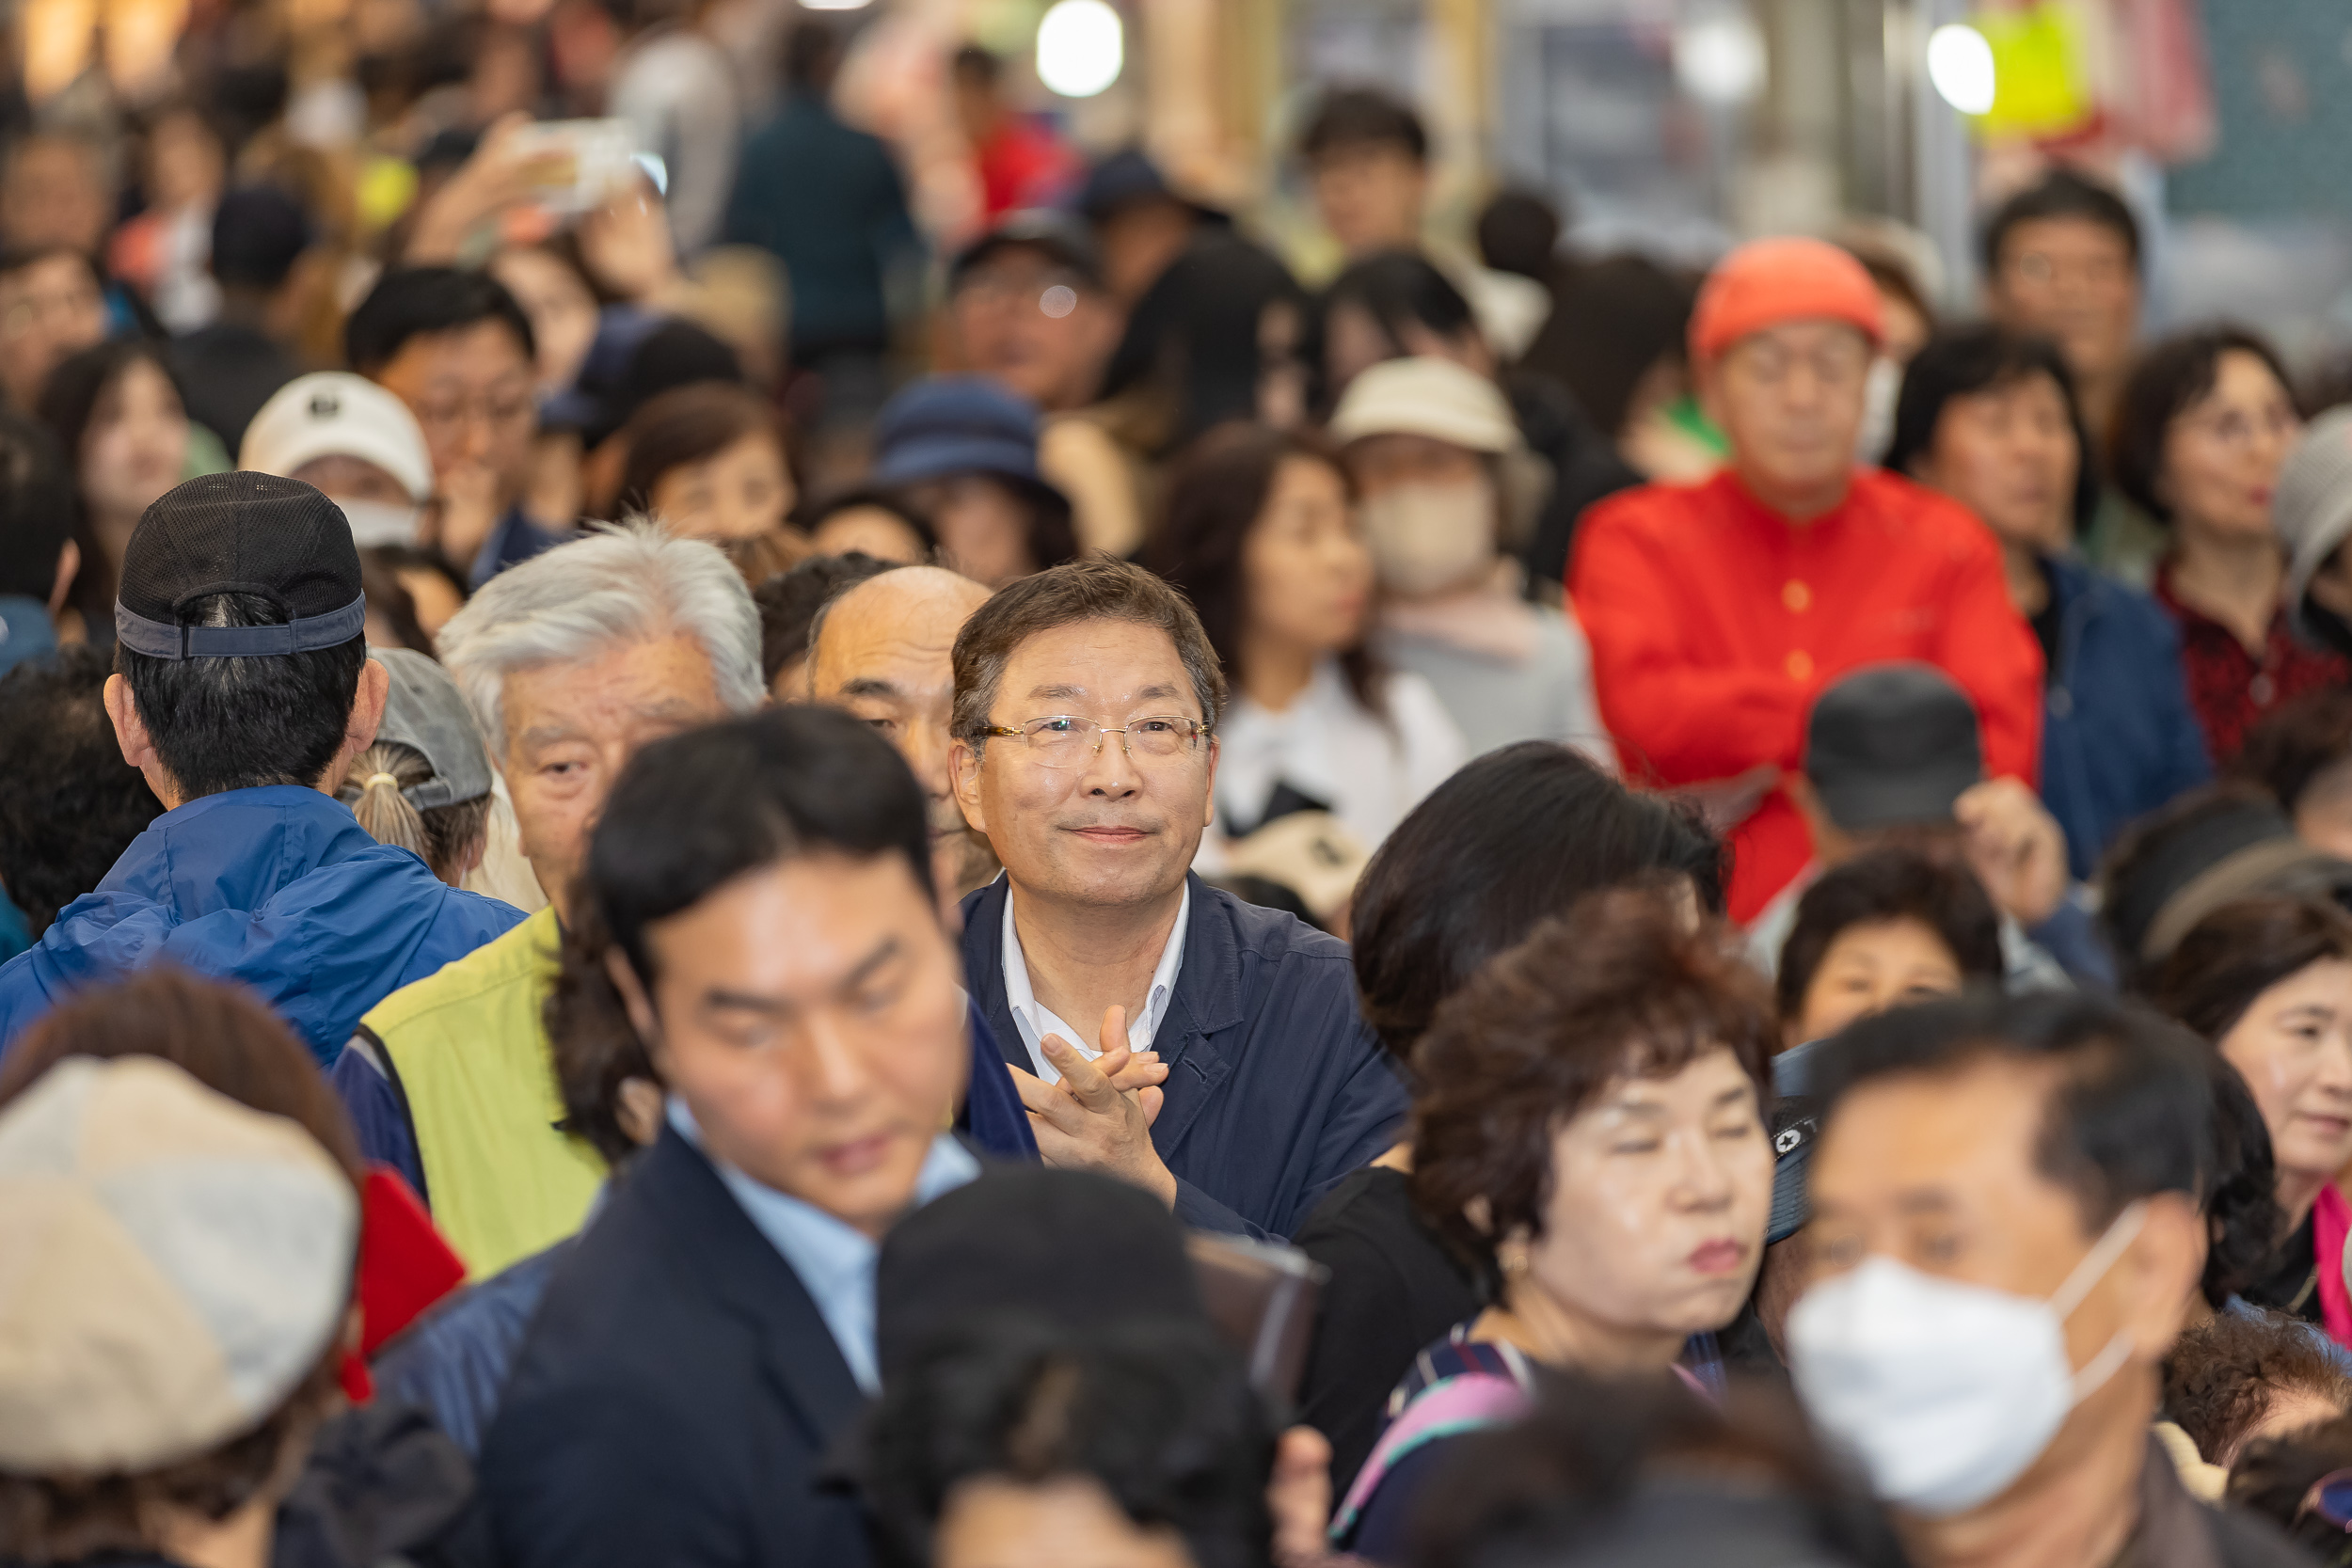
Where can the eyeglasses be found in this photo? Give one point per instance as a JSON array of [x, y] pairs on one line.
[[2237, 429], [505, 407], [2331, 1498], [1066, 742]]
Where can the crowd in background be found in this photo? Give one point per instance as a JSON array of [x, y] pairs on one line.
[[689, 877]]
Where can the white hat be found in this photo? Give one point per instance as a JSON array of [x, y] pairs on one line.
[[2312, 508], [172, 1264], [1426, 396], [336, 414]]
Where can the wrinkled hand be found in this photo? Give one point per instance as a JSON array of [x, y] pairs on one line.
[[2016, 848], [1100, 1116], [1300, 1499]]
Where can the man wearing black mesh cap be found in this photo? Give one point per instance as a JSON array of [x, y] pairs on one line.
[[243, 691]]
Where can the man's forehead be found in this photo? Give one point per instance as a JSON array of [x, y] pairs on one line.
[[1971, 1128], [907, 617]]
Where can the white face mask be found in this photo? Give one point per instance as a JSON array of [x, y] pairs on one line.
[[1426, 538], [1880, 392], [1947, 1392], [380, 522]]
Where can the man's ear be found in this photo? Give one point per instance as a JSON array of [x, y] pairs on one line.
[[367, 716], [2165, 1262], [1208, 820], [964, 769], [123, 711], [634, 1000], [68, 567], [1707, 386]]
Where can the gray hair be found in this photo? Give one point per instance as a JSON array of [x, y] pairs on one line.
[[614, 585]]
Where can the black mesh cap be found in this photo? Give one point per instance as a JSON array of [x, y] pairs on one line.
[[274, 538]]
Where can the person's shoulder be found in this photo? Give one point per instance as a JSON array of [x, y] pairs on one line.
[[2243, 1540], [1276, 936], [1657, 508], [1365, 1204], [517, 958], [1927, 515]]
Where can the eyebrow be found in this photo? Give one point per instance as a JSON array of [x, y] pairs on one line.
[[1071, 693], [745, 1001], [872, 686]]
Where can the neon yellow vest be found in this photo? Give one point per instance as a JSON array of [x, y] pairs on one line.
[[473, 1061]]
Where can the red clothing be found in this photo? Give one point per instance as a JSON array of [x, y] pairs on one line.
[[1023, 165], [1714, 623], [2228, 687]]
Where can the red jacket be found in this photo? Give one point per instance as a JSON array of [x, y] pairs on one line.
[[1714, 623]]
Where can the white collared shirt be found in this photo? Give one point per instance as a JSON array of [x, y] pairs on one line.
[[1035, 1022]]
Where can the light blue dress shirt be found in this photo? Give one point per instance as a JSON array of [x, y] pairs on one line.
[[833, 1261]]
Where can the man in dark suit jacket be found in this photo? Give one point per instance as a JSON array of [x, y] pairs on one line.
[[1234, 1078], [787, 972]]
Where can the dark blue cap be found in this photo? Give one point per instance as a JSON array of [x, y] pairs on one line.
[[1129, 179], [947, 425]]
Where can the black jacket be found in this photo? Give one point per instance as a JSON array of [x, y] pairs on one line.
[[1275, 1089], [675, 1397]]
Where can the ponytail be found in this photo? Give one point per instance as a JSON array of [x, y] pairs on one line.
[[373, 790]]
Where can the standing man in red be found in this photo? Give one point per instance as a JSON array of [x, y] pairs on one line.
[[1718, 611]]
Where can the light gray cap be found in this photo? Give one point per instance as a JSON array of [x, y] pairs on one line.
[[2312, 509], [172, 1264], [425, 710]]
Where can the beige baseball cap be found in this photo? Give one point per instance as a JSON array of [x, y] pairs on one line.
[[172, 1264], [1426, 396]]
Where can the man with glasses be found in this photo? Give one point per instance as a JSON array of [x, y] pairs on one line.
[[456, 347], [1717, 612], [1158, 1029]]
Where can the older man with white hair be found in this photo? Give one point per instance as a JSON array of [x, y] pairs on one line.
[[572, 660]]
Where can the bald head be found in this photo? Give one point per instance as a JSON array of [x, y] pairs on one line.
[[881, 651], [876, 633]]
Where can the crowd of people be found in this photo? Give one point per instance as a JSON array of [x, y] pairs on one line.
[[1518, 909]]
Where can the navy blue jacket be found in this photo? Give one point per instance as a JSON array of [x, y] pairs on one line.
[[2117, 736], [1276, 1088], [676, 1395], [277, 888]]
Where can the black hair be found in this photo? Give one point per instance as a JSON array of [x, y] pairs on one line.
[[1359, 116], [1399, 290], [219, 725], [407, 301], [1612, 321], [788, 603], [1893, 883], [1158, 1413], [2158, 855], [976, 65], [2274, 1474], [2170, 379], [2060, 193], [36, 507], [811, 52], [2296, 742], [70, 397], [68, 804], [2243, 1219], [1520, 232], [2132, 1114], [1197, 346], [1639, 1469], [1962, 361], [1512, 837]]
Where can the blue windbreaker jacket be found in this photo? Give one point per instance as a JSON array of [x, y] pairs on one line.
[[275, 888]]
